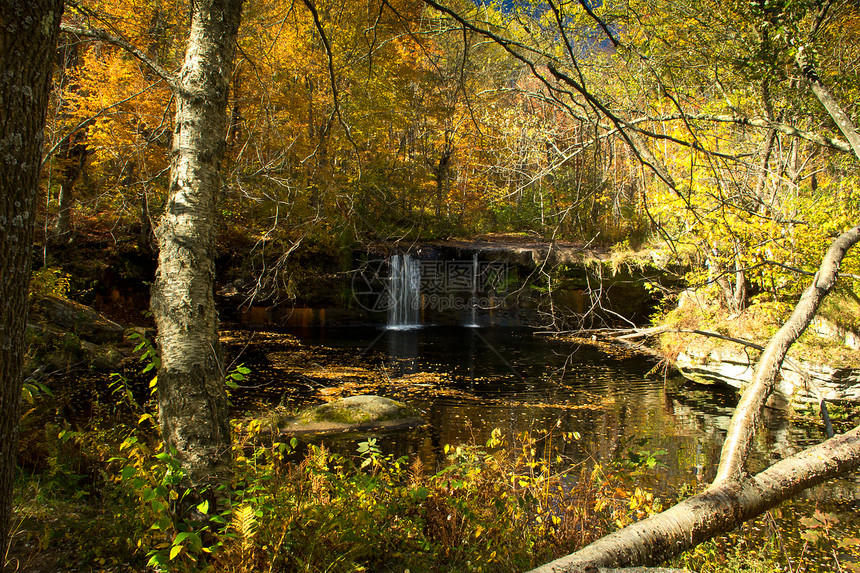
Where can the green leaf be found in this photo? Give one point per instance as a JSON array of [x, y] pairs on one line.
[[203, 507], [157, 560], [180, 537], [192, 538], [174, 551]]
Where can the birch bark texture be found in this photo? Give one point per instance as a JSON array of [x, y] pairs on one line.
[[28, 42], [192, 400]]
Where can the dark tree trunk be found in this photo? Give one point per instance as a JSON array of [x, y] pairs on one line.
[[73, 160], [28, 43], [73, 154], [191, 394]]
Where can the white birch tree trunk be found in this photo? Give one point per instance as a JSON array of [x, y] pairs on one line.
[[733, 497], [192, 399], [718, 510]]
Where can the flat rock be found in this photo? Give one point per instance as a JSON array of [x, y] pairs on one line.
[[353, 414], [799, 382]]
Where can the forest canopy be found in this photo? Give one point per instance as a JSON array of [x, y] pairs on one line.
[[687, 125]]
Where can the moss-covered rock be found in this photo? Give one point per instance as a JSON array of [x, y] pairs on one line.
[[356, 413]]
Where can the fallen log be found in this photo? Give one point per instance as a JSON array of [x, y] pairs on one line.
[[717, 510]]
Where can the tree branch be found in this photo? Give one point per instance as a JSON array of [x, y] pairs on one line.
[[170, 78], [640, 333], [333, 79], [843, 122], [719, 509], [742, 429]]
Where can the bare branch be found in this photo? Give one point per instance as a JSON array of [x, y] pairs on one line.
[[168, 77], [823, 140], [333, 79]]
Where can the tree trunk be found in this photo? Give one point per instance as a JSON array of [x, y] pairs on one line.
[[741, 292], [842, 120], [72, 157], [733, 498], [745, 417], [719, 509], [28, 42], [73, 160], [191, 394]]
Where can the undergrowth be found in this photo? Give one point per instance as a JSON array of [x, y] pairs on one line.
[[97, 496], [103, 505], [101, 500], [492, 507]]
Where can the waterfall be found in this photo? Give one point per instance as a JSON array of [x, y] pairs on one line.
[[404, 292]]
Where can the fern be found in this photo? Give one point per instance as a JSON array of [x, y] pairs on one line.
[[245, 525]]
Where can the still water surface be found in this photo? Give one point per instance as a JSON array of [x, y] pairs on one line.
[[519, 381]]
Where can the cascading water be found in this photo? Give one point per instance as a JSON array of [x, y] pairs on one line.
[[404, 292]]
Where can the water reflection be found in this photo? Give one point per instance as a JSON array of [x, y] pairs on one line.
[[402, 351]]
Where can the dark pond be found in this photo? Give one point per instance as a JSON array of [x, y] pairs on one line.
[[468, 381]]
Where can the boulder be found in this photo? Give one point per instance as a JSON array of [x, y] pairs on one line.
[[353, 414], [77, 318]]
